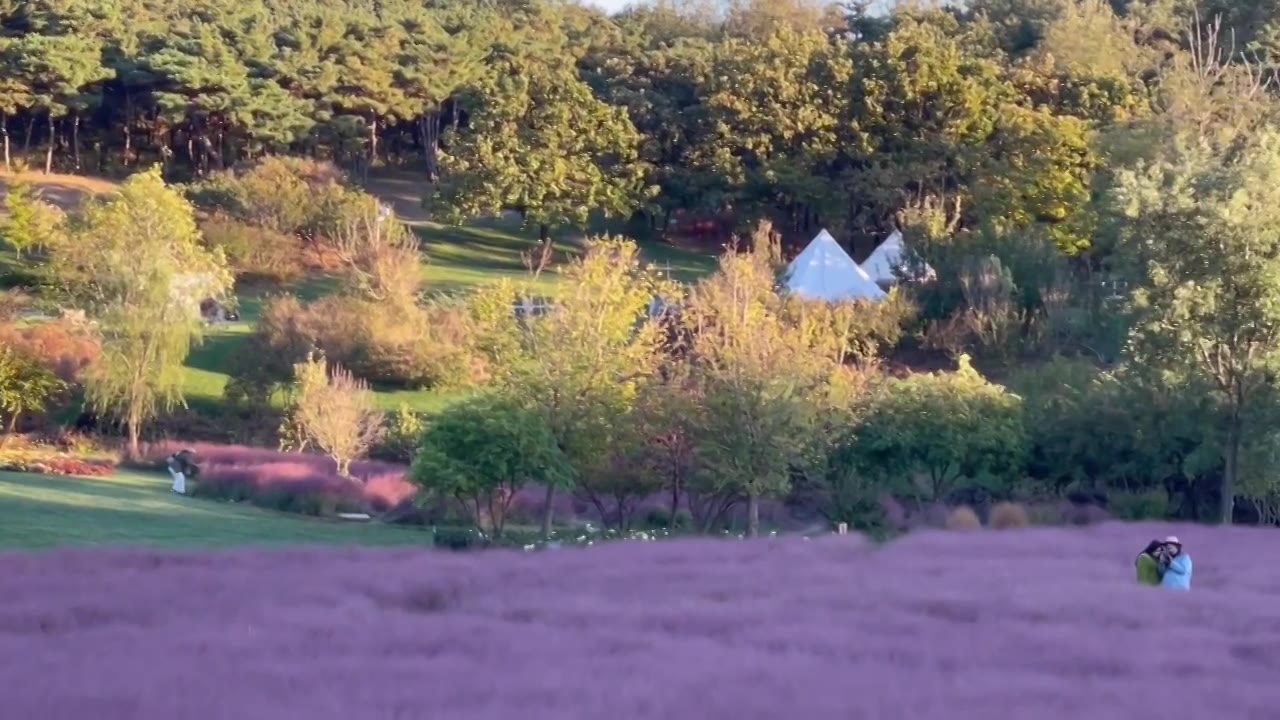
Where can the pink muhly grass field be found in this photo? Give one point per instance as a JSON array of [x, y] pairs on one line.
[[248, 472], [1044, 624]]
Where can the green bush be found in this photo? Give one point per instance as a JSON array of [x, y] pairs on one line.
[[962, 432], [1149, 505], [402, 437], [457, 538], [660, 519], [482, 452], [416, 348]]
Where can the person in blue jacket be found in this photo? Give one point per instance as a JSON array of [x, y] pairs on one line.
[[1177, 575]]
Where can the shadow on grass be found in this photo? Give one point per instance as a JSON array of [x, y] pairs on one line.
[[215, 353], [465, 256]]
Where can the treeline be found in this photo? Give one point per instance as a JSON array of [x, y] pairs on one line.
[[782, 108]]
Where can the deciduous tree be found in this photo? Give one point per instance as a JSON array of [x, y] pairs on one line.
[[541, 144], [26, 386], [581, 364], [335, 411], [757, 374], [1204, 228], [926, 433], [482, 452]]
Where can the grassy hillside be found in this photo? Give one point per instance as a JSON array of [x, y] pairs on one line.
[[40, 511]]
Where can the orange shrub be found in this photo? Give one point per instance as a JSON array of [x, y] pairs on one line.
[[415, 347], [65, 346], [40, 464], [1008, 515], [963, 518], [255, 253]]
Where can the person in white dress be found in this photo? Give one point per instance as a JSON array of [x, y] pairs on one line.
[[180, 466]]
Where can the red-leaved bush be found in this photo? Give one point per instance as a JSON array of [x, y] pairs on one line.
[[1044, 624], [64, 346], [289, 481], [57, 465]]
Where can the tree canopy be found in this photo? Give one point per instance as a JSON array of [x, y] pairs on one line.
[[783, 109]]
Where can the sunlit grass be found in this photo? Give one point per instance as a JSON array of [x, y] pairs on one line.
[[40, 511]]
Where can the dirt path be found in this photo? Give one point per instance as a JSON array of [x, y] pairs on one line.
[[65, 191]]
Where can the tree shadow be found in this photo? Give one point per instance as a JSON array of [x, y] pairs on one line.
[[215, 353]]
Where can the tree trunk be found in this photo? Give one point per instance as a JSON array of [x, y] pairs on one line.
[[128, 123], [547, 511], [48, 156], [753, 515], [75, 141], [4, 130], [675, 503], [1232, 469], [545, 249], [13, 428], [134, 450], [431, 143], [373, 147]]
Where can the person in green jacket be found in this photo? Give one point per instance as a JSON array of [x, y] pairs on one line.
[[1151, 563]]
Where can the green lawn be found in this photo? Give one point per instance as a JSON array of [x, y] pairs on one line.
[[457, 259], [461, 258], [42, 511]]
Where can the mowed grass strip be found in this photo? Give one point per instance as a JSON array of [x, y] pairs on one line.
[[133, 508]]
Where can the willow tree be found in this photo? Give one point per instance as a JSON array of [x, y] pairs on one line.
[[135, 263]]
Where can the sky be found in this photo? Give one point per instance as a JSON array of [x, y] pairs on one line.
[[609, 5], [613, 6]]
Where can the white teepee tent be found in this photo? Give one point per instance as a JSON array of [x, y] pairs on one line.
[[824, 271], [887, 258]]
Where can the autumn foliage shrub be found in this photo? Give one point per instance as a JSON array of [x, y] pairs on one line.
[[64, 458], [292, 196], [1007, 515], [416, 347], [255, 253], [429, 347], [66, 346], [963, 518]]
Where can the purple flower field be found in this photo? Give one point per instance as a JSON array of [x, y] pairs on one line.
[[1041, 624]]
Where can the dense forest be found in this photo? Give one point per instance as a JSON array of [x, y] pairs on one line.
[[820, 115], [1096, 183]]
